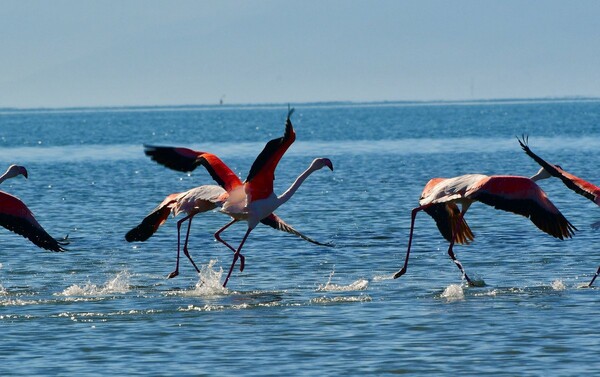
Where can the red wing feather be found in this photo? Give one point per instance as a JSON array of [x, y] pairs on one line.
[[184, 159], [259, 184]]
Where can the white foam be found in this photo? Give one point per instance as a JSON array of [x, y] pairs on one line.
[[358, 285], [453, 292], [3, 291], [558, 285], [340, 299], [209, 283], [118, 284]]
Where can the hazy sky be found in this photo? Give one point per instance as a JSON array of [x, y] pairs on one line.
[[102, 53]]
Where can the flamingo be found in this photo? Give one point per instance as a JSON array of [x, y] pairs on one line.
[[520, 195], [253, 200], [184, 159], [578, 185], [240, 204], [16, 217], [192, 202]]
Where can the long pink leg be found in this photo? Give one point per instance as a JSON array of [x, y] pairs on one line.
[[451, 253], [595, 276], [218, 238], [185, 244], [176, 272], [236, 255], [410, 237]]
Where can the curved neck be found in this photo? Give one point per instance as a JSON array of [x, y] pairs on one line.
[[5, 176], [297, 183], [541, 174]]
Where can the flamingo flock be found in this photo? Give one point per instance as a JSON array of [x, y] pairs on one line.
[[253, 201]]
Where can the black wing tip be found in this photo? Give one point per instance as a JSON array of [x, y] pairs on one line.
[[524, 142], [138, 234]]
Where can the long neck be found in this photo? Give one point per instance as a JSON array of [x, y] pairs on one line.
[[541, 174], [5, 176], [297, 183]]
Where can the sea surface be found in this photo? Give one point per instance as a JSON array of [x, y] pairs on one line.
[[105, 307]]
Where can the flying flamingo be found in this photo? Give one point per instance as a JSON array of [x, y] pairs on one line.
[[16, 217], [197, 200], [520, 195], [580, 186], [253, 200]]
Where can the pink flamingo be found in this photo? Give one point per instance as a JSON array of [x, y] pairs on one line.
[[253, 200], [16, 217], [520, 195], [578, 185], [184, 159], [191, 202]]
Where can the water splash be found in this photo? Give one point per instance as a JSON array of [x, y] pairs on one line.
[[453, 292], [209, 283], [341, 299], [3, 291], [558, 285], [358, 285], [118, 284]]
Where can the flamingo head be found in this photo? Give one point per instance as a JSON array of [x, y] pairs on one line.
[[320, 163], [15, 170]]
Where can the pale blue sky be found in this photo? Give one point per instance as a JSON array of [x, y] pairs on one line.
[[64, 53]]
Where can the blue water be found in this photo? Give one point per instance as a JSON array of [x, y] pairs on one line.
[[106, 307]]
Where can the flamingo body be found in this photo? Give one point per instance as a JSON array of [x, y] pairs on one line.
[[515, 194]]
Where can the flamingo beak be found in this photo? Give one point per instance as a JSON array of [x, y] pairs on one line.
[[328, 163], [23, 171]]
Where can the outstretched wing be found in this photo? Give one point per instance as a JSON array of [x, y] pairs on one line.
[[580, 186], [153, 221], [276, 222], [16, 217], [259, 183], [180, 159], [184, 159], [524, 197]]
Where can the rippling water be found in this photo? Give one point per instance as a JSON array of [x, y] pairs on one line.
[[106, 307]]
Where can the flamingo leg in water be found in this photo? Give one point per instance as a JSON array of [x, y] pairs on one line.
[[236, 255], [185, 245], [176, 272], [410, 237], [451, 253], [218, 238], [595, 276]]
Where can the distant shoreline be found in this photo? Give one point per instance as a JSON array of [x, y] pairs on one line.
[[324, 104]]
